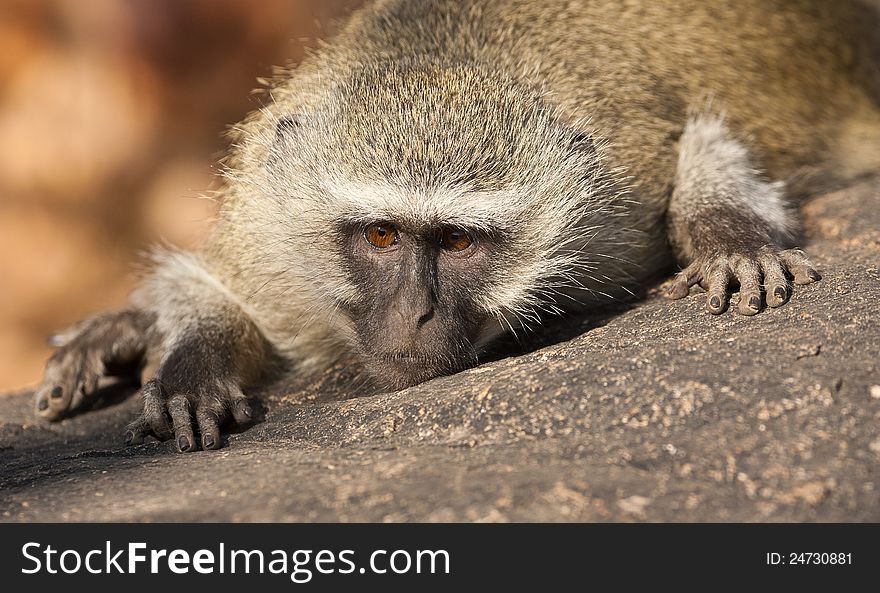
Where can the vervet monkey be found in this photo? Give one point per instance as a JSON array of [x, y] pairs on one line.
[[446, 171]]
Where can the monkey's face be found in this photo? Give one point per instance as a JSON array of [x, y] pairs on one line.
[[435, 207], [415, 320]]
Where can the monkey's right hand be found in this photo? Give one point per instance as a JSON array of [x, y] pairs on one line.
[[176, 409], [194, 391]]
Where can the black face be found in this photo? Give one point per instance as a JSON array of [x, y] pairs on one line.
[[417, 318]]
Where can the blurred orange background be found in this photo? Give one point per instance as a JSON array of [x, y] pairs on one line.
[[111, 121]]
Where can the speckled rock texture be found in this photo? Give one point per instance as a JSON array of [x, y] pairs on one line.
[[653, 412]]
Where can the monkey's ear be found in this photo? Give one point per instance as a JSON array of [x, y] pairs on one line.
[[288, 130], [287, 124], [582, 142]]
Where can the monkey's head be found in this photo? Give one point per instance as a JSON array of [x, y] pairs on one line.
[[425, 210]]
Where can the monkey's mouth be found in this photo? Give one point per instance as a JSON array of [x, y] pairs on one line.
[[405, 358], [399, 370]]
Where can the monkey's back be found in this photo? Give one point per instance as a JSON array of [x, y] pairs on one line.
[[788, 74], [798, 79]]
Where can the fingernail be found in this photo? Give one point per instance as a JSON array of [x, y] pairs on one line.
[[715, 302], [183, 443], [754, 303], [42, 404], [57, 392], [779, 292], [209, 441]]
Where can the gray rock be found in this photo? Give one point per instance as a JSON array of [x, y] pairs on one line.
[[656, 412]]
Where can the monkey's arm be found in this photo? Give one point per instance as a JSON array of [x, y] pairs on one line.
[[729, 225], [207, 346]]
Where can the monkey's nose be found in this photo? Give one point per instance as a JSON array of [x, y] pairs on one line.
[[407, 321], [425, 318]]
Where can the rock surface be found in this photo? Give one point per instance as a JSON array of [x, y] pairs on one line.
[[659, 412]]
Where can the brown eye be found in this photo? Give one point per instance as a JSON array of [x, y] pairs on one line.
[[381, 235], [453, 239]]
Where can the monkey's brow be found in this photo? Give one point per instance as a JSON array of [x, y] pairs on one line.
[[344, 227], [420, 224], [478, 211]]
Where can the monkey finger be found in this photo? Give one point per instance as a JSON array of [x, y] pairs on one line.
[[60, 397], [749, 276], [240, 409], [209, 426], [136, 431], [154, 410], [799, 266], [50, 399], [90, 374], [63, 384], [775, 283], [236, 404], [679, 287], [41, 400], [717, 281], [181, 418]]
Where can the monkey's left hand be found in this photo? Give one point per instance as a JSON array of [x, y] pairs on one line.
[[766, 269], [729, 224]]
